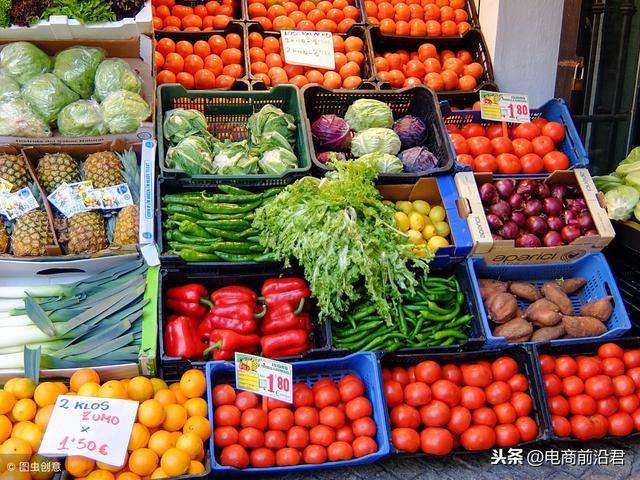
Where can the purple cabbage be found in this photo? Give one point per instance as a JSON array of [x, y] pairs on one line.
[[331, 132], [411, 130], [418, 159]]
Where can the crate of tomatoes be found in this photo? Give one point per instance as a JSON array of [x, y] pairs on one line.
[[194, 16], [548, 143]]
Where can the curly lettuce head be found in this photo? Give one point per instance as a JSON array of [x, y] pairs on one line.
[[23, 61], [17, 119], [115, 74], [47, 95], [124, 111], [81, 119], [76, 66]]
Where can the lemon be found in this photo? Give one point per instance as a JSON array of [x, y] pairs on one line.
[[428, 232], [437, 214], [404, 206], [436, 242], [402, 221], [421, 206], [420, 250], [416, 221], [415, 236], [427, 220], [442, 229]]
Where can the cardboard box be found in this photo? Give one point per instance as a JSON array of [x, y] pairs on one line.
[[14, 273], [504, 251], [138, 52], [437, 191]]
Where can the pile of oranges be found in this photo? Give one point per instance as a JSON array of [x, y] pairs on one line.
[[324, 15], [445, 70], [203, 65], [213, 15], [419, 18], [167, 439], [267, 63]]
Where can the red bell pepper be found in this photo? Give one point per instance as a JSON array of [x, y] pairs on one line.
[[289, 342], [281, 285], [229, 341], [241, 318], [284, 317], [277, 291], [233, 294], [189, 300], [181, 338]]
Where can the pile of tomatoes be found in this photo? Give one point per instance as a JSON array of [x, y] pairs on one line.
[[446, 70], [475, 406], [267, 63], [171, 17], [419, 18], [324, 15], [594, 396], [327, 422], [529, 147], [203, 65]]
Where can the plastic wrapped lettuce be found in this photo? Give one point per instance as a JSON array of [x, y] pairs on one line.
[[124, 111], [76, 66], [81, 119], [621, 202], [368, 113], [47, 95], [180, 123], [271, 119], [384, 162], [23, 61], [17, 119], [9, 88], [277, 161], [115, 74], [193, 155], [373, 140], [633, 180], [235, 158]]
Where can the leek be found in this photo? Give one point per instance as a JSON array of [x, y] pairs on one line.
[[10, 292]]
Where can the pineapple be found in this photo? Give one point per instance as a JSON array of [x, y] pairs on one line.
[[54, 169], [31, 234], [103, 169], [13, 169], [126, 231], [85, 233], [4, 238]]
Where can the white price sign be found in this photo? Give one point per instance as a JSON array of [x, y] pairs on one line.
[[96, 428], [504, 107], [264, 376], [309, 49]]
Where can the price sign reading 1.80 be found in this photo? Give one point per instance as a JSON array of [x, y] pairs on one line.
[[504, 107], [264, 376]]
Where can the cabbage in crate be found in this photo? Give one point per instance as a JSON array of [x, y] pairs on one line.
[[368, 113]]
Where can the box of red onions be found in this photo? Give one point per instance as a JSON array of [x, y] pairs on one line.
[[551, 219]]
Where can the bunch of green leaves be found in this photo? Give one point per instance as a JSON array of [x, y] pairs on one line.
[[345, 238], [5, 12], [85, 11]]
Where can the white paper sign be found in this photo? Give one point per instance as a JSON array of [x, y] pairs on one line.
[[310, 49], [96, 428], [264, 376]]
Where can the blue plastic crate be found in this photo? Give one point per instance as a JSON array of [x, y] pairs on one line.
[[555, 110], [593, 267], [365, 365]]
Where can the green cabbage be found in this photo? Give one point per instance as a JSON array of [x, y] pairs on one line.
[[271, 119], [124, 111], [277, 161], [373, 140], [47, 95], [235, 158], [192, 155], [76, 66], [23, 61], [17, 119], [633, 180], [82, 119], [9, 88], [629, 164], [621, 202], [115, 74], [633, 157], [180, 123], [384, 162], [368, 113]]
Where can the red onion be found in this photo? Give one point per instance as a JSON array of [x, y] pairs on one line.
[[559, 191], [555, 223], [533, 206], [501, 209], [537, 225], [488, 194], [591, 232], [573, 191], [509, 230], [518, 218], [504, 187], [543, 190], [577, 205], [586, 221], [570, 233], [495, 237], [494, 222], [528, 240], [515, 201], [528, 188], [569, 217], [552, 239], [552, 206]]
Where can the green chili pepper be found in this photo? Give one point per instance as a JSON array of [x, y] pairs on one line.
[[191, 228], [183, 209], [184, 238], [229, 207], [231, 190], [193, 256]]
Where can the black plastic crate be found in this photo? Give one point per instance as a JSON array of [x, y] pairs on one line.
[[588, 348], [476, 336], [527, 366], [174, 367], [465, 100], [419, 101]]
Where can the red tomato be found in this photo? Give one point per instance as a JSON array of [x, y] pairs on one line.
[[364, 426], [505, 413], [607, 406], [494, 130], [447, 391], [332, 417], [417, 394], [322, 435], [478, 437], [325, 396], [364, 446], [405, 416], [275, 439], [345, 433], [526, 130], [507, 435], [528, 428], [521, 147], [223, 394], [472, 397], [629, 403], [393, 393], [323, 382], [459, 421], [518, 383], [287, 457], [400, 375], [508, 164], [339, 451], [542, 145], [453, 373], [280, 419], [262, 458], [472, 130], [227, 415], [631, 358], [588, 367], [250, 437], [634, 374], [306, 416], [565, 366], [612, 366], [600, 425], [501, 145], [297, 437], [405, 439], [302, 395], [464, 159], [547, 363], [245, 400], [572, 386], [582, 405], [436, 441], [623, 385], [485, 162], [224, 436], [477, 375], [234, 456], [620, 424], [498, 392], [553, 384], [558, 405], [314, 454], [460, 144], [554, 130], [555, 161], [351, 389], [599, 387], [435, 414], [581, 427], [522, 403], [254, 417], [479, 145], [358, 407], [428, 372], [561, 426], [636, 419], [504, 368], [531, 163], [484, 416]]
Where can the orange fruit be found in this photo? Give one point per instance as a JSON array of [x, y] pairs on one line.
[[62, 388], [193, 383], [21, 387], [140, 389], [100, 475], [31, 434], [159, 473], [128, 476], [175, 462], [7, 401], [198, 425], [196, 406], [112, 468], [158, 384], [139, 437], [190, 443], [165, 397], [160, 442], [45, 468], [195, 467], [143, 461], [84, 375], [18, 427], [113, 389], [19, 449], [89, 389], [176, 416], [151, 413], [237, 72], [5, 428], [46, 394], [15, 475], [24, 409], [43, 415]]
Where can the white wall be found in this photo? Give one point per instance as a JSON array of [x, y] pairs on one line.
[[523, 37]]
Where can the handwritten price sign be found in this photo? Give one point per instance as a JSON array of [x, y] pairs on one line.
[[264, 376], [504, 107], [97, 428], [310, 49]]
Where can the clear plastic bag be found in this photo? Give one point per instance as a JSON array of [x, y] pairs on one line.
[[17, 119], [115, 74], [47, 95], [82, 119], [124, 111], [23, 61], [76, 66]]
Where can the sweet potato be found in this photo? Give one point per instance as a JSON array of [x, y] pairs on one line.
[[548, 333], [501, 307], [543, 313], [524, 338], [600, 309], [571, 285], [516, 328], [524, 290], [555, 294], [583, 326], [488, 287]]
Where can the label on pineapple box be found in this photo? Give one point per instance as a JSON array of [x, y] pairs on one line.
[[14, 205], [309, 49], [69, 199], [504, 107], [117, 196], [5, 186], [264, 376]]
